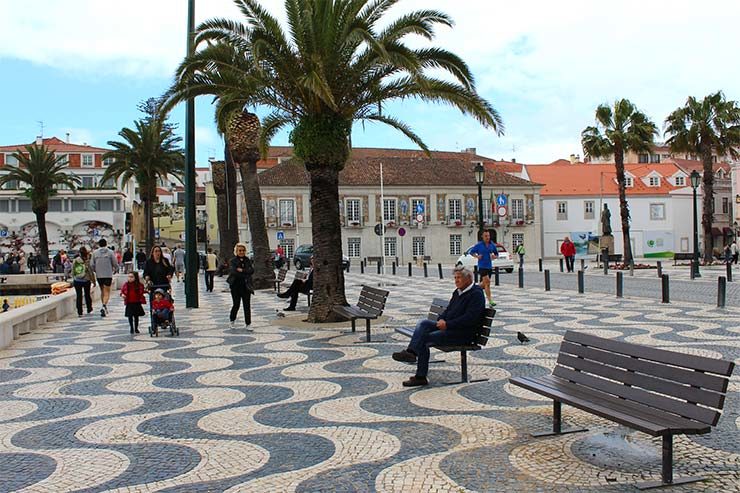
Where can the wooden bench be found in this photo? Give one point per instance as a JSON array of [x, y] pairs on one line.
[[480, 340], [373, 260], [370, 305], [302, 275], [682, 256], [280, 277], [655, 391], [615, 258]]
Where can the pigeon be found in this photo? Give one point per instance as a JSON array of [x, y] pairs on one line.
[[281, 315], [522, 338]]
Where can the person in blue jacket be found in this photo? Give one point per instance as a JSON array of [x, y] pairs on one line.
[[456, 325], [485, 251]]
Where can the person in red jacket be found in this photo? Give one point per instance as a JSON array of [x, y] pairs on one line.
[[133, 297], [568, 249], [162, 307]]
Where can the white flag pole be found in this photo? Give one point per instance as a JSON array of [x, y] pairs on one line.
[[382, 222]]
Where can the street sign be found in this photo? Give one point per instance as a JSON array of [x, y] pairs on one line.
[[379, 229], [401, 232], [501, 200], [3, 233], [280, 235], [420, 208], [420, 218], [502, 210], [156, 233]]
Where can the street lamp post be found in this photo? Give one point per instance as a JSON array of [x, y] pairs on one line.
[[695, 178], [191, 247], [480, 176]]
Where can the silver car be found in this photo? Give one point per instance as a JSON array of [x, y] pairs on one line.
[[503, 262]]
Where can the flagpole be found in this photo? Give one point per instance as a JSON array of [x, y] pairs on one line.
[[382, 225]]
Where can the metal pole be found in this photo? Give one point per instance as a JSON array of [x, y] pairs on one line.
[[547, 279], [521, 278], [666, 288], [382, 229], [426, 271], [480, 211], [439, 266], [540, 261], [191, 245], [729, 272], [660, 268], [581, 287], [409, 269], [495, 276], [721, 291], [620, 284], [696, 240], [394, 268]]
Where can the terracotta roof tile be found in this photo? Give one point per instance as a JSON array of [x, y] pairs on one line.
[[56, 145]]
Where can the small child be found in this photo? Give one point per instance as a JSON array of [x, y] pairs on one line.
[[162, 308], [133, 297], [6, 305]]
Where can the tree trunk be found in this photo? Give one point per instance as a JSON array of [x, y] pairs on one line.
[[227, 208], [624, 210], [707, 201], [43, 237], [264, 274], [149, 220], [328, 280]]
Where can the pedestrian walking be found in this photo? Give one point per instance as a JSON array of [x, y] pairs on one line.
[[132, 293], [210, 270], [158, 270], [727, 253], [32, 263], [83, 278], [734, 250], [104, 265], [178, 255], [568, 250], [519, 250], [128, 260], [140, 259], [240, 284], [485, 250]]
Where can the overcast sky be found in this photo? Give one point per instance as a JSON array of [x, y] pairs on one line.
[[81, 66]]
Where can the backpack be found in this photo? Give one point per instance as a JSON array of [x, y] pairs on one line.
[[520, 249], [78, 271]]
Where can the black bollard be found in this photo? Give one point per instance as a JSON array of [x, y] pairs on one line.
[[729, 272], [394, 268], [410, 269], [495, 276], [660, 268], [521, 278], [581, 287], [426, 273], [540, 261], [379, 266], [691, 266], [666, 288], [439, 267], [721, 291], [475, 274], [362, 266], [605, 259], [561, 265], [583, 264], [547, 279], [620, 284]]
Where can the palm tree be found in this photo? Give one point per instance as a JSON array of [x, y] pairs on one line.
[[149, 153], [224, 185], [702, 128], [339, 62], [43, 173], [619, 130]]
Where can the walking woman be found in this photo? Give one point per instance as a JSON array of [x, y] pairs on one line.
[[157, 272], [133, 297], [83, 278], [240, 282]]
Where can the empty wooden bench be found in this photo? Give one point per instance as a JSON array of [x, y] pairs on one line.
[[280, 278], [370, 305], [302, 275], [682, 256], [480, 339], [655, 391]]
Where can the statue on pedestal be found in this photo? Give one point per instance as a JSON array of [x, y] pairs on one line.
[[606, 217]]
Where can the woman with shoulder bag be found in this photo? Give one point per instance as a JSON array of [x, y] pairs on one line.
[[240, 283], [83, 278]]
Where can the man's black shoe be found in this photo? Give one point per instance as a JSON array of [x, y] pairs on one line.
[[290, 309], [416, 382], [283, 295], [404, 356]]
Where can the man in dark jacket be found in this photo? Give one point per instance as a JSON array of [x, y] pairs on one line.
[[297, 287], [456, 325]]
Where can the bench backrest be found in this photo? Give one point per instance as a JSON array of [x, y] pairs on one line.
[[481, 335], [372, 300], [693, 387], [683, 256], [281, 274]]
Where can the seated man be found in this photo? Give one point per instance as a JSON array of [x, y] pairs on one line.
[[297, 287], [456, 325]]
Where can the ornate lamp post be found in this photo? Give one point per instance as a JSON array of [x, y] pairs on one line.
[[191, 246], [480, 176], [695, 178]]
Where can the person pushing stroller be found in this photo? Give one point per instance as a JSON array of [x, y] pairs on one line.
[[162, 307]]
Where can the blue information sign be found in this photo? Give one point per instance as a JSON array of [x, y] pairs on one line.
[[280, 235], [500, 200]]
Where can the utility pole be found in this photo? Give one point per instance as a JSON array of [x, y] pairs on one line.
[[191, 239]]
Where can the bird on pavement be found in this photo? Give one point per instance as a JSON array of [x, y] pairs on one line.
[[522, 338]]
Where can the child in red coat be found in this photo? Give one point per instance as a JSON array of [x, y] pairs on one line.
[[133, 297], [162, 307]]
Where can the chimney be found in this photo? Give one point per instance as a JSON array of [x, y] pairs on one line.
[[513, 160], [573, 159], [470, 150], [39, 140], [67, 137]]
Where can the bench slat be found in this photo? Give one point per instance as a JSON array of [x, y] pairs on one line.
[[626, 413], [698, 379], [663, 403], [647, 382], [375, 291], [690, 361]]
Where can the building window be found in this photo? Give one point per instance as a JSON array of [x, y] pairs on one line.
[[629, 182], [4, 205], [352, 211], [11, 185], [88, 182], [417, 245], [657, 212], [87, 161], [487, 211], [11, 159], [24, 206], [725, 205], [517, 209], [287, 211], [588, 209], [108, 184], [353, 247], [654, 158], [108, 161], [416, 204], [389, 210], [516, 240], [454, 209], [562, 211], [390, 247], [455, 244], [63, 158], [643, 158], [654, 181], [55, 206], [680, 181]]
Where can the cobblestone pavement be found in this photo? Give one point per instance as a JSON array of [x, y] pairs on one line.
[[86, 407]]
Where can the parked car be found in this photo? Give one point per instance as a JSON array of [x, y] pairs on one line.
[[302, 257], [503, 262]]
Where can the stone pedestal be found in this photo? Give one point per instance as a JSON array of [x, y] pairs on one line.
[[607, 242]]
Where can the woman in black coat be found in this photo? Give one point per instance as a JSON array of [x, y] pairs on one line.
[[158, 270], [240, 283]]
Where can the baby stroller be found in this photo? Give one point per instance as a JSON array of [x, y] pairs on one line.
[[158, 321]]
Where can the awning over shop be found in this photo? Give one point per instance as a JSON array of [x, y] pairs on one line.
[[716, 232]]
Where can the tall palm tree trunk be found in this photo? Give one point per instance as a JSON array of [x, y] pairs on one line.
[[708, 201], [264, 274], [148, 199], [231, 228], [624, 210], [328, 283], [43, 237]]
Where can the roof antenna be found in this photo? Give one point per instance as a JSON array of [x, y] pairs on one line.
[[41, 127]]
